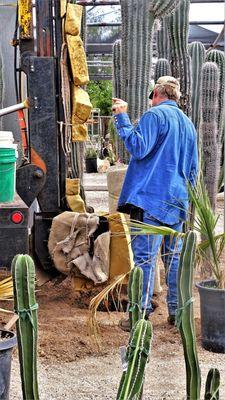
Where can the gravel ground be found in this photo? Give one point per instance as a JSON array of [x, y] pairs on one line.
[[97, 378]]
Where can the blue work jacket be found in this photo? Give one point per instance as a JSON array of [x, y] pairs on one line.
[[164, 156]]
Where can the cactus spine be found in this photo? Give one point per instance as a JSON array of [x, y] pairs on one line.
[[197, 53], [178, 26], [135, 295], [185, 317], [162, 68], [162, 42], [23, 272], [137, 356], [212, 385], [208, 129]]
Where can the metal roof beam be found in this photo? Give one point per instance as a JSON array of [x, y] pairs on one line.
[[102, 24], [117, 2]]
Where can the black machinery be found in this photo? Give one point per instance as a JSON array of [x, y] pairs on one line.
[[43, 171]]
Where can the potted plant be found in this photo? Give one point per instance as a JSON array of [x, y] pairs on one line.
[[211, 290], [91, 160]]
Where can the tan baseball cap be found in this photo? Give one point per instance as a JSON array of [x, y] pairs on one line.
[[167, 81]]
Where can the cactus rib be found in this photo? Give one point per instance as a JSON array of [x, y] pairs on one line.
[[212, 385], [137, 356], [23, 272], [185, 318]]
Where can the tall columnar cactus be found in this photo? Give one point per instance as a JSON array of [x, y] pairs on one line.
[[197, 53], [131, 384], [208, 129], [212, 385], [162, 68], [135, 295], [219, 58], [117, 82], [23, 272], [162, 41], [185, 317], [137, 30], [117, 91], [178, 26]]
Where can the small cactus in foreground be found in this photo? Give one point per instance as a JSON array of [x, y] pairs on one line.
[[131, 384], [135, 295], [212, 385], [23, 273], [185, 317]]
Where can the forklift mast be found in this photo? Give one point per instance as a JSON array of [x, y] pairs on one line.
[[42, 175]]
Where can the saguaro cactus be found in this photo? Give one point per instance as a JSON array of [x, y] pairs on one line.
[[162, 41], [212, 385], [137, 355], [185, 317], [162, 68], [218, 57], [135, 295], [197, 53], [137, 30], [178, 26], [208, 129], [23, 272], [117, 83]]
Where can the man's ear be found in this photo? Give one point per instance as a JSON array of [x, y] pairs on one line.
[[155, 93]]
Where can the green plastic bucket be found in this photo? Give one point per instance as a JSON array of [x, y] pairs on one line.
[[7, 174]]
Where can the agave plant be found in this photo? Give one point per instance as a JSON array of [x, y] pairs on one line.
[[211, 247]]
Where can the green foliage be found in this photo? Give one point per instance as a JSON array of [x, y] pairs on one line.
[[91, 153], [131, 383], [23, 273], [100, 93], [210, 249], [185, 317]]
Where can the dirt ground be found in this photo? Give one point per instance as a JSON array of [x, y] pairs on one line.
[[72, 367]]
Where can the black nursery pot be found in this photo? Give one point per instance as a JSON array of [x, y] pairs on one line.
[[7, 342], [212, 306], [91, 165]]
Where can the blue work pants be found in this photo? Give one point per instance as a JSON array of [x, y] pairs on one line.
[[145, 250]]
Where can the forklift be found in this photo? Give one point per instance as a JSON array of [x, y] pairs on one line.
[[45, 164]]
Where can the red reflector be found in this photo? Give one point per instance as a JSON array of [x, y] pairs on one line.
[[17, 217]]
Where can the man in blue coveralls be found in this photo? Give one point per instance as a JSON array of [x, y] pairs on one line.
[[164, 156]]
